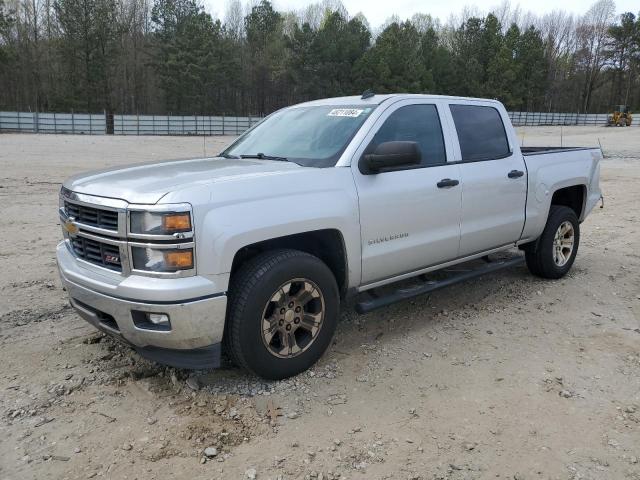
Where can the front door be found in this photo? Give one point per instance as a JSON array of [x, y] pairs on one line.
[[409, 218]]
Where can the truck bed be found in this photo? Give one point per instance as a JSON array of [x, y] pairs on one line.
[[527, 151], [550, 168]]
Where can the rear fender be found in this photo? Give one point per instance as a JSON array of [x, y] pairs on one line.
[[555, 171]]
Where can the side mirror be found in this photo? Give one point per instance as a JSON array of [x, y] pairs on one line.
[[390, 155]]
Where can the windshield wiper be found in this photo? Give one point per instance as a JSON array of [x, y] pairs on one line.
[[262, 156], [226, 155]]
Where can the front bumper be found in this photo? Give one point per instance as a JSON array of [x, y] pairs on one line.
[[196, 321]]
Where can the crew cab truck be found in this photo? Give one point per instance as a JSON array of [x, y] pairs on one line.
[[255, 249]]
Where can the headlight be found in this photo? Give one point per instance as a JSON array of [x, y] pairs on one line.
[[162, 260], [160, 223]]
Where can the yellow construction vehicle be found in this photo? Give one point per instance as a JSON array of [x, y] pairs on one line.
[[621, 117]]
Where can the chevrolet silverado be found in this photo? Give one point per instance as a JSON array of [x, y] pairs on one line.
[[253, 251]]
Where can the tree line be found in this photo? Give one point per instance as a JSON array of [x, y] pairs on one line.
[[171, 56]]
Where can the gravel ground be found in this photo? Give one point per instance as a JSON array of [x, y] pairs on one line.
[[507, 376]]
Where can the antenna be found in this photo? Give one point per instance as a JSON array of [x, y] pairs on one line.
[[367, 94], [600, 147]]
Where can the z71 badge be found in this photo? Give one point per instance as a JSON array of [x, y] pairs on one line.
[[115, 259]]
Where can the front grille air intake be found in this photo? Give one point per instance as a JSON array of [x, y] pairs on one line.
[[99, 253], [94, 217]]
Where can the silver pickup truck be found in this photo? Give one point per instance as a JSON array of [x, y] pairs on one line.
[[253, 251]]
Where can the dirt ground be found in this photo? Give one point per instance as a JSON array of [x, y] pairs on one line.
[[507, 376]]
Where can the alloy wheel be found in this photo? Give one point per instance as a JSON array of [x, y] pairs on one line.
[[563, 243], [292, 318]]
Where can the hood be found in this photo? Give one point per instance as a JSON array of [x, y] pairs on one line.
[[147, 183]]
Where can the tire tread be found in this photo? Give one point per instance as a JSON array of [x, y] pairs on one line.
[[538, 260], [242, 283]]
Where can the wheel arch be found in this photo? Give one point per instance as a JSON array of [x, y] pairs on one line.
[[573, 196], [326, 244]]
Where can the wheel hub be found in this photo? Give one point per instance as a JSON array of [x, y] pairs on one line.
[[292, 318], [563, 243]]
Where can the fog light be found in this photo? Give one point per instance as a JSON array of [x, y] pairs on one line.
[[158, 322], [158, 318]]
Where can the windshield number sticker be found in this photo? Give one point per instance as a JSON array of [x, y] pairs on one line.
[[345, 112]]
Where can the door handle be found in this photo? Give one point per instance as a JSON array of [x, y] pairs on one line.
[[515, 174], [447, 182]]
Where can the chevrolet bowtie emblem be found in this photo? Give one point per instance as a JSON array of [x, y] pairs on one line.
[[70, 226]]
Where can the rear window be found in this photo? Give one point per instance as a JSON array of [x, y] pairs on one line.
[[480, 131]]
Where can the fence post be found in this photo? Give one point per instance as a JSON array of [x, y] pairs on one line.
[[55, 124], [106, 122], [73, 123], [223, 124], [90, 125]]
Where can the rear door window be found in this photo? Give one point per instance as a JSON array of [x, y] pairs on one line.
[[481, 132], [415, 123]]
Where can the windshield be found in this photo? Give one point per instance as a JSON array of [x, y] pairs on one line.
[[313, 136]]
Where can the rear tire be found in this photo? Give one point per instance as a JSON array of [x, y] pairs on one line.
[[555, 251], [283, 311]]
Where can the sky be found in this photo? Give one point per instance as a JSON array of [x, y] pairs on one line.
[[378, 11]]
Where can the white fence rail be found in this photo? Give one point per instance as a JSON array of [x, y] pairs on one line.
[[98, 124], [181, 125], [84, 123], [520, 119]]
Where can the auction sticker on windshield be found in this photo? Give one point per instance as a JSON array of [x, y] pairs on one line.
[[345, 112]]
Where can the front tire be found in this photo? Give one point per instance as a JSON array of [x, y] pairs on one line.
[[283, 311], [555, 251]]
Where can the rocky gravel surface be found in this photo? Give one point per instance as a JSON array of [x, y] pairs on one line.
[[505, 377]]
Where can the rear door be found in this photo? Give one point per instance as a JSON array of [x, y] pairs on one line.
[[493, 178], [407, 220]]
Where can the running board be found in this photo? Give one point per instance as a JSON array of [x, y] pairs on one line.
[[428, 286]]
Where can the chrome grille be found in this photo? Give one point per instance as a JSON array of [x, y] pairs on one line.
[[95, 217], [96, 252]]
